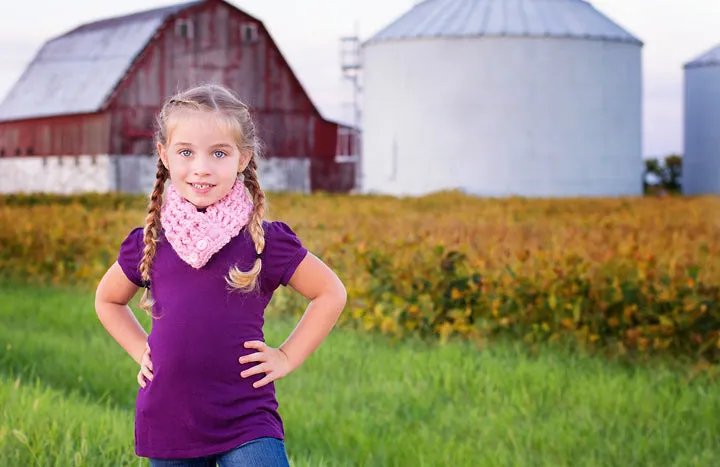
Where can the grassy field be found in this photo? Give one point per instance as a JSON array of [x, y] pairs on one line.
[[67, 392]]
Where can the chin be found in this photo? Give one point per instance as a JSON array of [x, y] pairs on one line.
[[203, 200]]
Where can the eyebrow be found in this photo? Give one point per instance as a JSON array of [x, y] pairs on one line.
[[217, 145]]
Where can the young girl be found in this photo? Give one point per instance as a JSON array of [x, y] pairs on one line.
[[209, 264]]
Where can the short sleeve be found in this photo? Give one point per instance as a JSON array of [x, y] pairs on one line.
[[283, 252], [130, 256]]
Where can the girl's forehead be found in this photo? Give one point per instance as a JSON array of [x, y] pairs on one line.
[[197, 126]]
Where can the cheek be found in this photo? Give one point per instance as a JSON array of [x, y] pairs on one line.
[[178, 166], [229, 168], [229, 177]]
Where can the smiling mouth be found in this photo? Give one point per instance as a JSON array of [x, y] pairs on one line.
[[201, 186]]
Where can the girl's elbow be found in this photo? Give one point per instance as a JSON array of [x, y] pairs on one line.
[[341, 294], [334, 293]]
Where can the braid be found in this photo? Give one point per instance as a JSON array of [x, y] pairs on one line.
[[247, 281], [258, 196], [150, 233]]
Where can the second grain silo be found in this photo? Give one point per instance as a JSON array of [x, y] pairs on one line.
[[701, 159], [502, 98]]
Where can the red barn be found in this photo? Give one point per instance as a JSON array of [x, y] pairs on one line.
[[81, 116]]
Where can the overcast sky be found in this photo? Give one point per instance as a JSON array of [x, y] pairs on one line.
[[308, 32]]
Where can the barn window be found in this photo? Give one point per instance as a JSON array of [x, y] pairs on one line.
[[249, 33], [183, 28], [29, 151], [2, 152], [18, 151]]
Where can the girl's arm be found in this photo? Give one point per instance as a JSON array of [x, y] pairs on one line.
[[112, 296], [319, 284]]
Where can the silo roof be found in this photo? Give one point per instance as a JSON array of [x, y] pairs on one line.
[[470, 18], [709, 58]]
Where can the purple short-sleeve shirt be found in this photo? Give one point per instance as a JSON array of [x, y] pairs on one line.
[[197, 403]]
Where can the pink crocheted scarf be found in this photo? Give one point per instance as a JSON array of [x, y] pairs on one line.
[[196, 236]]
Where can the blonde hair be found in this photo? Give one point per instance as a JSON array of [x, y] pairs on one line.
[[218, 99]]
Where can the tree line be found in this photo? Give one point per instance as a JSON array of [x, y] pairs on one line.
[[663, 174]]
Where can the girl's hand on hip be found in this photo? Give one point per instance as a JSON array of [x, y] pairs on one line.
[[275, 363], [145, 372]]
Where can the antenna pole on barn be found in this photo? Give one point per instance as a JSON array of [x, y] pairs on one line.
[[351, 66]]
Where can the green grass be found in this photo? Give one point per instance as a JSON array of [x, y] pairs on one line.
[[67, 392]]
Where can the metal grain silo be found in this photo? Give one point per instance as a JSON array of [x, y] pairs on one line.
[[701, 159], [502, 98]]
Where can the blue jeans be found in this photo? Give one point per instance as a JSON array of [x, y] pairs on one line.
[[262, 452]]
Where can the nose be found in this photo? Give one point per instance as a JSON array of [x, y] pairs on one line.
[[201, 166]]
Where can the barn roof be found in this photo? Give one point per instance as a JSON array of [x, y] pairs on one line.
[[77, 71]]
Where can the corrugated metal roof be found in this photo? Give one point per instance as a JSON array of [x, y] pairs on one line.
[[76, 72], [463, 18], [709, 58]]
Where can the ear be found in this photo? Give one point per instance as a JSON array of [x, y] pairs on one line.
[[245, 156], [163, 155]]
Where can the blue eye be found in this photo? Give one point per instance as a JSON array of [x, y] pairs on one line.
[[221, 154], [184, 151]]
